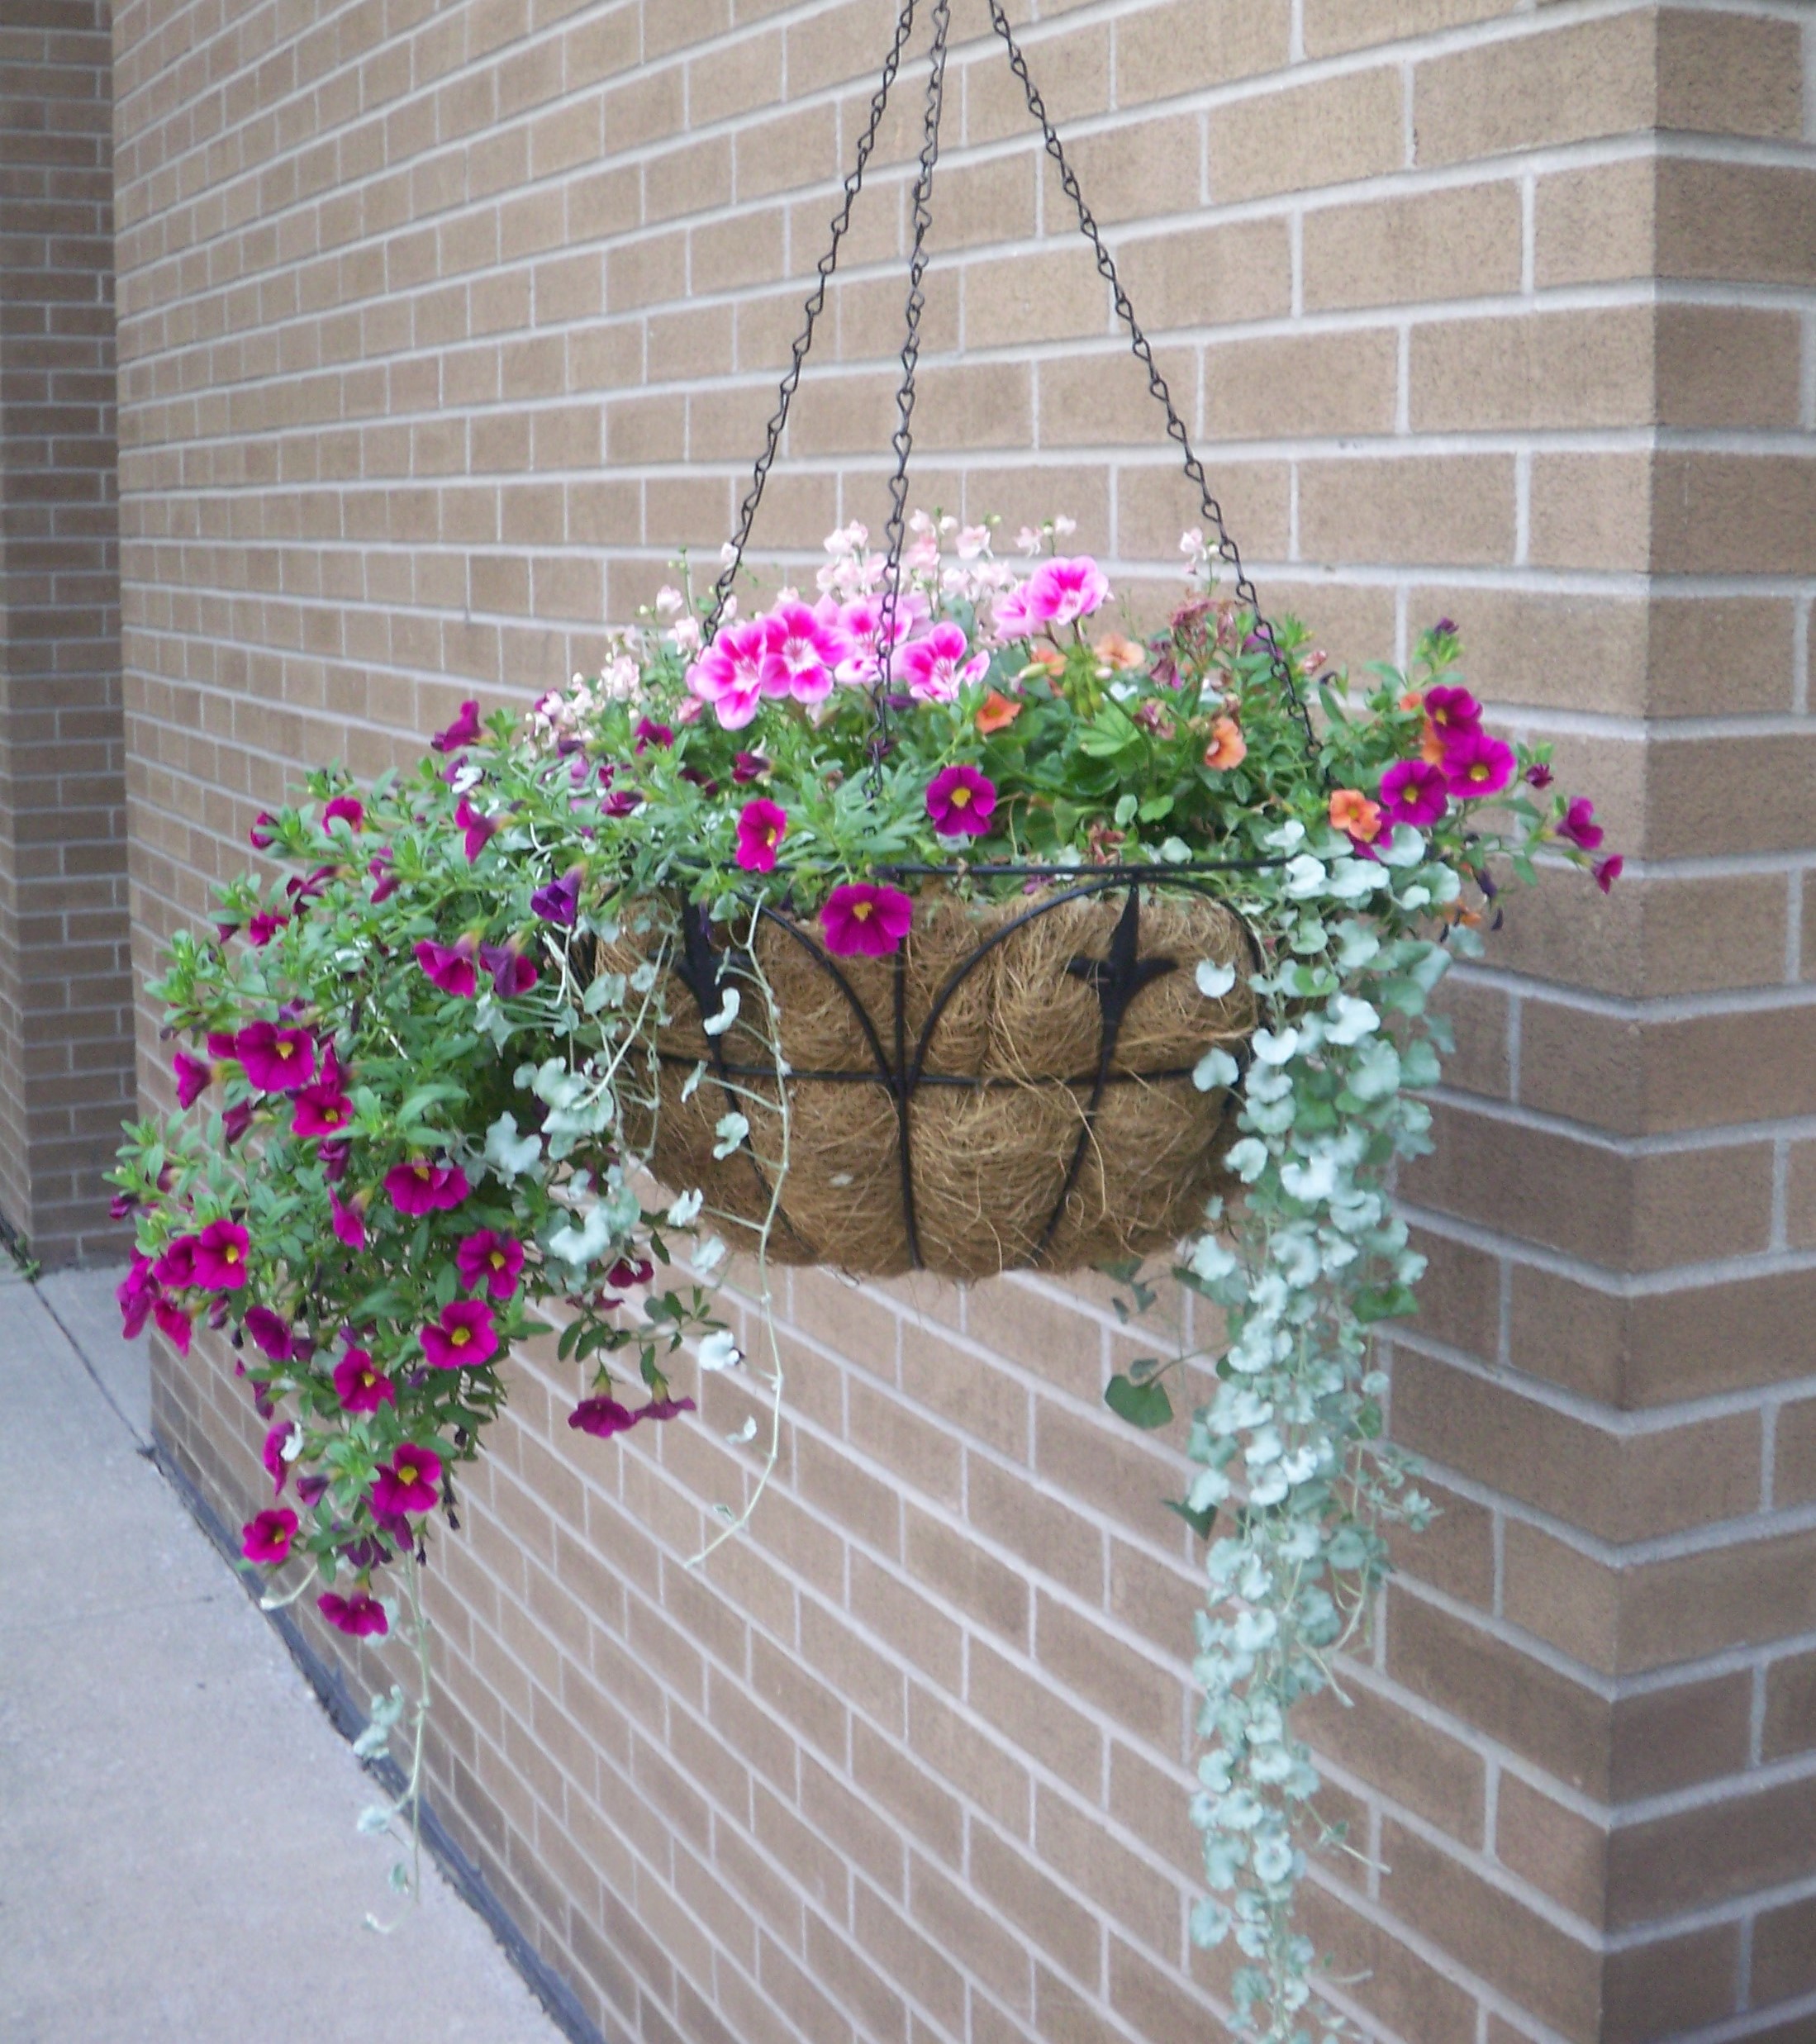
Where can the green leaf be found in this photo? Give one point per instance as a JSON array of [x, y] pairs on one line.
[[1201, 1522], [1143, 1405]]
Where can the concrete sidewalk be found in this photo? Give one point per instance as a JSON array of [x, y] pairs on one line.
[[178, 1860]]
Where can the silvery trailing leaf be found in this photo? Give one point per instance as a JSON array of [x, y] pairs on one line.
[[709, 1255], [1215, 980], [607, 991], [400, 1878], [692, 1082], [1306, 876], [731, 1129], [717, 1024], [1215, 1068], [1354, 879], [746, 1432], [373, 1743], [718, 1351], [644, 977], [1248, 1159], [1376, 1074], [1211, 1260], [584, 1245], [373, 1819], [1405, 847], [1358, 944], [685, 1210], [1283, 839], [1274, 1048], [1349, 1020]]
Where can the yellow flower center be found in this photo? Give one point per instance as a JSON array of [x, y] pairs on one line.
[[461, 1336], [861, 910], [231, 1254], [960, 797]]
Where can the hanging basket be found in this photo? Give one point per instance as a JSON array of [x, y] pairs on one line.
[[1012, 1090]]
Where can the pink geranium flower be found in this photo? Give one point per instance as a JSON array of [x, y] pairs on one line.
[[960, 801], [601, 1417], [465, 731], [177, 1326], [266, 1539], [136, 1294], [1414, 792], [409, 1482], [729, 674], [422, 1187], [863, 919], [1578, 828], [270, 1331], [936, 668], [361, 1615], [803, 651], [1061, 592], [477, 829], [276, 1060], [861, 621], [220, 1252], [489, 1259], [1476, 765], [1011, 615], [465, 1337], [360, 1385], [263, 928], [192, 1078], [347, 808], [451, 967], [277, 1463], [762, 826]]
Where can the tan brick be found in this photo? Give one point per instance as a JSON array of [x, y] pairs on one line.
[[1725, 366], [1554, 85], [1667, 1867], [1593, 511], [1460, 242], [1289, 388], [1349, 125], [1412, 510], [1419, 1767], [1732, 514], [1334, 26], [1790, 1707], [1072, 69], [1552, 370], [1182, 44], [1648, 1989], [1768, 224]]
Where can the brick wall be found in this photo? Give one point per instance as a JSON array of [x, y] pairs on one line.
[[66, 1071], [442, 328]]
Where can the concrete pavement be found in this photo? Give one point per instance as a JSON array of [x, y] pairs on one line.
[[178, 1859]]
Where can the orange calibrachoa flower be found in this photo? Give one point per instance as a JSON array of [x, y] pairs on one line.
[[1228, 747], [1118, 655], [1351, 810], [997, 713], [1048, 660]]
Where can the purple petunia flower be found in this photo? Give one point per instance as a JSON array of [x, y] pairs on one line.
[[861, 919], [348, 1219], [173, 1323], [384, 881], [478, 828], [259, 837], [323, 1109], [234, 1121], [136, 1294], [410, 1482], [601, 1417], [666, 1409], [276, 1060], [465, 1337], [559, 901], [277, 1466], [1579, 827], [489, 1259], [465, 731], [347, 808], [762, 826], [647, 733], [359, 1384], [1608, 871], [423, 1187], [361, 1615], [961, 801], [219, 1257], [266, 1539], [512, 973], [748, 766], [1414, 792], [192, 1078], [451, 967], [271, 1332], [1477, 765]]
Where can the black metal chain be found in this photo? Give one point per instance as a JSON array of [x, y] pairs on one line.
[[1226, 550], [903, 439], [816, 304]]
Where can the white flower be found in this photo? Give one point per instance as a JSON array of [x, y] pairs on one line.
[[718, 1351]]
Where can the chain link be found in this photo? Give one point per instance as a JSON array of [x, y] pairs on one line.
[[816, 304], [903, 439], [1226, 550]]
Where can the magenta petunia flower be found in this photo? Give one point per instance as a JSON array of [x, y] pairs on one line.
[[1579, 827], [361, 1615], [261, 836], [348, 1219], [512, 973], [748, 766], [1476, 764], [271, 1332], [451, 967], [175, 1270], [276, 1060], [803, 650], [359, 1384], [623, 803], [465, 1337], [1608, 871], [601, 1417], [1539, 775], [478, 829], [863, 919], [490, 1259], [410, 1482], [559, 902], [422, 1187], [960, 801], [629, 1271], [320, 1110], [729, 675], [266, 1539], [666, 1409], [347, 808], [1414, 792], [1451, 712], [192, 1078], [384, 881], [762, 826], [465, 731], [1061, 592], [649, 733], [936, 666], [221, 1252], [136, 1294], [173, 1323], [277, 1464], [234, 1121], [264, 927]]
